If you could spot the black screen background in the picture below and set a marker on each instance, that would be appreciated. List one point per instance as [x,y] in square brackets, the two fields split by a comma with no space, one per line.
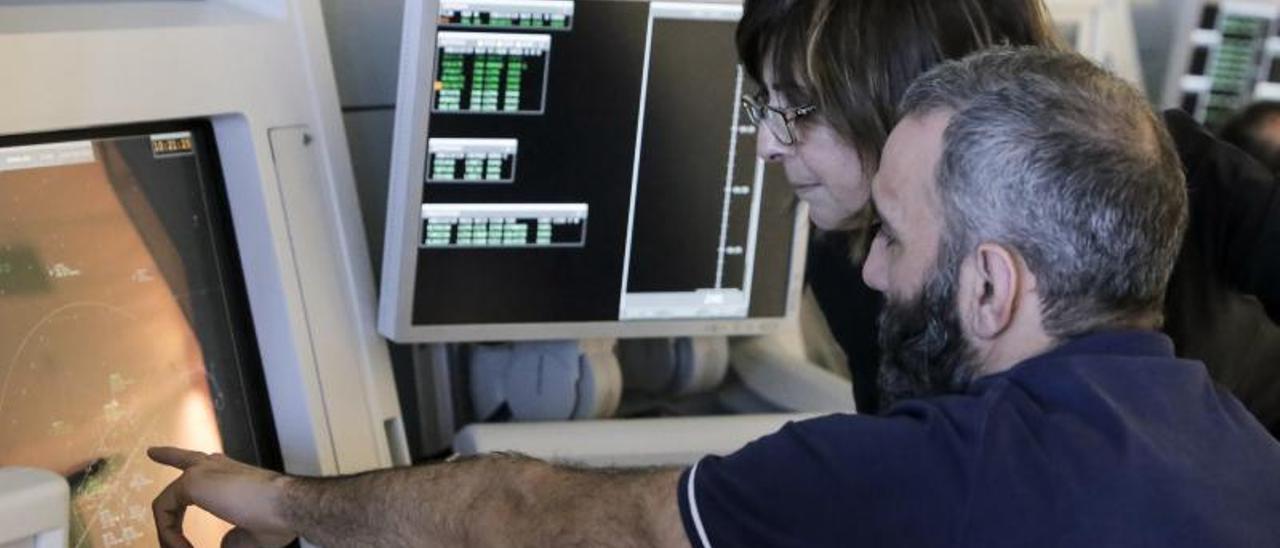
[188,198]
[582,149]
[689,113]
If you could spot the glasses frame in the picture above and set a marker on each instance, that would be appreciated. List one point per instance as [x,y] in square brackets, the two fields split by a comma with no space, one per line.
[759,110]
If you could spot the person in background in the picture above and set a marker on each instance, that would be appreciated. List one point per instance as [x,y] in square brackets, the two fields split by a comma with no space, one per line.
[830,74]
[1256,130]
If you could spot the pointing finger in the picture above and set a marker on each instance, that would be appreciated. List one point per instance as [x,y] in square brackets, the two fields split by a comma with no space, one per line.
[175,457]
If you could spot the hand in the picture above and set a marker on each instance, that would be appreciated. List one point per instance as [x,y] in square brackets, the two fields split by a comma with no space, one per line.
[245,496]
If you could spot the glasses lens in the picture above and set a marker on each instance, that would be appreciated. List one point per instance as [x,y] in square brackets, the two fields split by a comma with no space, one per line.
[778,126]
[755,111]
[761,115]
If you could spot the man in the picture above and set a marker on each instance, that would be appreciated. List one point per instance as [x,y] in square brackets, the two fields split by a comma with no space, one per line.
[848,63]
[1033,207]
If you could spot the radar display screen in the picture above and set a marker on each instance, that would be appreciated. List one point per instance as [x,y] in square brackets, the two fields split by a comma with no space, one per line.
[123,321]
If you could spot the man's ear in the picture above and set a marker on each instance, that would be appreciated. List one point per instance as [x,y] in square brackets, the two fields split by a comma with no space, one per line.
[994,290]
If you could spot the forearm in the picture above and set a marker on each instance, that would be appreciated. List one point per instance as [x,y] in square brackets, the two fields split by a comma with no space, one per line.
[489,501]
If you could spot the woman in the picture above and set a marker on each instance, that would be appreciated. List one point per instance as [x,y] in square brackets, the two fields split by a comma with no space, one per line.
[830,74]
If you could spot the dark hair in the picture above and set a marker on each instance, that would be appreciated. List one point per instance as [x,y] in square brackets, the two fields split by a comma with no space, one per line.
[1065,163]
[855,58]
[1244,130]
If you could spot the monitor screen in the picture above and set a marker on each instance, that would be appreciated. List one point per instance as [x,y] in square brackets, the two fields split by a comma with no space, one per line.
[586,169]
[123,321]
[1225,58]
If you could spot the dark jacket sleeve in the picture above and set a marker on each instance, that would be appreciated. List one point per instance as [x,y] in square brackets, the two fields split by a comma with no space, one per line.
[1240,200]
[851,309]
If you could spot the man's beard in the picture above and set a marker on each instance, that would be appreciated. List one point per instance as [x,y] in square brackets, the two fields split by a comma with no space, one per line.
[923,351]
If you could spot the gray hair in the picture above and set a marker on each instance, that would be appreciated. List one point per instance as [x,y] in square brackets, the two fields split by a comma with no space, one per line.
[1066,164]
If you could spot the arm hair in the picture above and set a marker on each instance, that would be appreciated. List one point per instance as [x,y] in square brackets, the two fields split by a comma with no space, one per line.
[494,500]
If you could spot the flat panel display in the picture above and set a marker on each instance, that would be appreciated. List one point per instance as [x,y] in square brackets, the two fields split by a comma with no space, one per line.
[123,321]
[586,168]
[1226,56]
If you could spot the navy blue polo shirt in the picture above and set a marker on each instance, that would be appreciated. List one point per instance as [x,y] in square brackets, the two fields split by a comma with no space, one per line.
[1107,440]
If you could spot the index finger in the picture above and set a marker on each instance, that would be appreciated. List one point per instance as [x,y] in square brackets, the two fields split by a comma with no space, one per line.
[175,457]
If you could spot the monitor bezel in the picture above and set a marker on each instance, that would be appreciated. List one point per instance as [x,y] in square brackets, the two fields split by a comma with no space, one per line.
[261,447]
[400,250]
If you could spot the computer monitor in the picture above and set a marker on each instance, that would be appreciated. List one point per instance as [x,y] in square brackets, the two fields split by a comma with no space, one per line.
[1226,56]
[123,311]
[569,169]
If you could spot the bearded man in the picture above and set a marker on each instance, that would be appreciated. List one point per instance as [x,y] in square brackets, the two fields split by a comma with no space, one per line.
[1032,207]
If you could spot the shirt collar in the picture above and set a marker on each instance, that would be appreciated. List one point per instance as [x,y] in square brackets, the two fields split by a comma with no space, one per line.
[1115,342]
[1111,343]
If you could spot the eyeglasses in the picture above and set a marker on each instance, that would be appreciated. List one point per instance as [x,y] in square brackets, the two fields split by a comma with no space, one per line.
[780,121]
